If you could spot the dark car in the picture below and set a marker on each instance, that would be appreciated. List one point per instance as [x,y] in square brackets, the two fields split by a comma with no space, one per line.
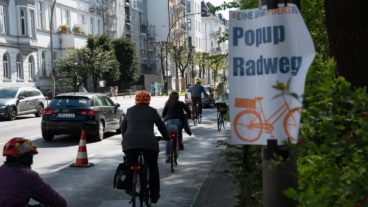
[16,101]
[206,101]
[69,113]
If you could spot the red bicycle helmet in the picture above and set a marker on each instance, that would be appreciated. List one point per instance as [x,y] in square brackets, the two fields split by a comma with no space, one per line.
[142,97]
[19,146]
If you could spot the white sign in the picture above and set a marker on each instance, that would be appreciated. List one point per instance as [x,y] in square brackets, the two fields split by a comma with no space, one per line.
[267,47]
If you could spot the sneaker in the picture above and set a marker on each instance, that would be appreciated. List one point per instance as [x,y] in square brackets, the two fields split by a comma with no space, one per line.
[181,146]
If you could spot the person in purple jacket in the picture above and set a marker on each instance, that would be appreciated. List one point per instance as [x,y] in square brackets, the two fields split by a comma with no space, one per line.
[19,183]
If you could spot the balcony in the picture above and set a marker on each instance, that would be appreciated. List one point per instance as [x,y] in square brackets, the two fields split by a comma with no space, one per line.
[70,40]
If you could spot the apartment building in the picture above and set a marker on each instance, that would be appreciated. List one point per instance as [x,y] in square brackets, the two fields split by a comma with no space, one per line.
[25,37]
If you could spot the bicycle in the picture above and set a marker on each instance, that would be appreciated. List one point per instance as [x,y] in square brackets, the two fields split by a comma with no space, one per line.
[140,184]
[196,116]
[221,111]
[249,124]
[173,148]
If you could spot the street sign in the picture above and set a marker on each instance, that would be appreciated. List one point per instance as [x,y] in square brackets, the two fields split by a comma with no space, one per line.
[267,47]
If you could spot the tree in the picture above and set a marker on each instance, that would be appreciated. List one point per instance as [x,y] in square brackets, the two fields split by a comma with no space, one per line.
[101,60]
[182,56]
[72,68]
[203,62]
[127,56]
[160,52]
[218,62]
[347,28]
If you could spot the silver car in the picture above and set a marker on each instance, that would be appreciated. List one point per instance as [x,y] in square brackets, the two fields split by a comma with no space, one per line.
[16,101]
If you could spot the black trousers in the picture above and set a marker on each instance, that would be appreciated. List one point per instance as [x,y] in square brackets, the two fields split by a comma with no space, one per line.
[198,100]
[151,158]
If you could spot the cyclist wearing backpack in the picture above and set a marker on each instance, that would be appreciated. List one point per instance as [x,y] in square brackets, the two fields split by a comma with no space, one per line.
[173,114]
[18,182]
[138,136]
[196,91]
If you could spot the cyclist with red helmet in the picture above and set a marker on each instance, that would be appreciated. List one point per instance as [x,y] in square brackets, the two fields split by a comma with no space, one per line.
[138,136]
[18,182]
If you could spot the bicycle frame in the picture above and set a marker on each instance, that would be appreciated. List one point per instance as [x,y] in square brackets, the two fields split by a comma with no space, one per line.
[267,124]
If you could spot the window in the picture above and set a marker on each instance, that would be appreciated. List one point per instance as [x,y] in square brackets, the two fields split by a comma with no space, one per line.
[188,7]
[81,19]
[19,65]
[33,24]
[41,13]
[43,64]
[189,24]
[2,20]
[6,66]
[65,16]
[92,28]
[23,22]
[31,68]
[99,26]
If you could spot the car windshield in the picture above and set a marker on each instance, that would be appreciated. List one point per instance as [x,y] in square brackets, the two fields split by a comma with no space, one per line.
[8,93]
[67,101]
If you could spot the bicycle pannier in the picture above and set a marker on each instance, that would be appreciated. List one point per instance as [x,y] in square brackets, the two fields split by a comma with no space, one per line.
[123,177]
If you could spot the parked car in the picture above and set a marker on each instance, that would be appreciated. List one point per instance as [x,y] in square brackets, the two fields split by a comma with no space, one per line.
[15,101]
[206,101]
[68,113]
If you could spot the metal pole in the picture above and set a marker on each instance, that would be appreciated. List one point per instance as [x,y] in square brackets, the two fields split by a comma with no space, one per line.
[51,50]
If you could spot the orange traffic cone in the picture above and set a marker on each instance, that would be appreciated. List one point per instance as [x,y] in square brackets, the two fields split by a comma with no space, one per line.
[82,159]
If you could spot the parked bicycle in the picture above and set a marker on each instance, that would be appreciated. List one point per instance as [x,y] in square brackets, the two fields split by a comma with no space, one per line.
[221,112]
[173,147]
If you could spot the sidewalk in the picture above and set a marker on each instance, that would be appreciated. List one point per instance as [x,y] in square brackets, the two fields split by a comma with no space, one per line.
[217,190]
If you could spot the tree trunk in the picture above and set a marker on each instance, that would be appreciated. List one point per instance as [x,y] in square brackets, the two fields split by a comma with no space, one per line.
[347,28]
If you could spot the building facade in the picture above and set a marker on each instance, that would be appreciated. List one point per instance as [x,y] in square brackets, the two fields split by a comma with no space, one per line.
[25,48]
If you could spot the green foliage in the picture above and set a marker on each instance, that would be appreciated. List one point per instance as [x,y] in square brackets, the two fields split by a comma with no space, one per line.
[127,56]
[246,172]
[217,63]
[333,152]
[72,68]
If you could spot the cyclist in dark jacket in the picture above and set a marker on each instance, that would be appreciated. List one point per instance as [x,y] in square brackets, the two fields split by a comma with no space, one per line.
[173,114]
[196,92]
[18,182]
[138,136]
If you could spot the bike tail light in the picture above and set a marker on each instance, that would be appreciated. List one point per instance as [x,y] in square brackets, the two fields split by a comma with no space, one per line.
[135,167]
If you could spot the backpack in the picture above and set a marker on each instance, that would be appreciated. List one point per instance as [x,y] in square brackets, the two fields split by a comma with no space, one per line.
[123,178]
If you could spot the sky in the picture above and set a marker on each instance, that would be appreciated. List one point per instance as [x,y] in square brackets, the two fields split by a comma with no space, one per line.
[218,3]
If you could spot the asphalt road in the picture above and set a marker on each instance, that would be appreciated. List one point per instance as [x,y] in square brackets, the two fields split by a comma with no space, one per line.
[93,186]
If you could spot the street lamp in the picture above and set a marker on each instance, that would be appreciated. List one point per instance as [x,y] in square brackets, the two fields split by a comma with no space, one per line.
[51,50]
[167,41]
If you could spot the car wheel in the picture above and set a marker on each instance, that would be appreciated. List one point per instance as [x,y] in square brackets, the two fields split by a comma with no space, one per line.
[39,110]
[100,132]
[47,136]
[12,113]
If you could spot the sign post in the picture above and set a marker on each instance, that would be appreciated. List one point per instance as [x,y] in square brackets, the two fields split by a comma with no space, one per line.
[267,48]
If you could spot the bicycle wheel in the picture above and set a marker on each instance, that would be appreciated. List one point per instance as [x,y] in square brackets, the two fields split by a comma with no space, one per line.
[248,126]
[223,121]
[194,117]
[219,121]
[176,152]
[171,155]
[136,188]
[291,124]
[199,118]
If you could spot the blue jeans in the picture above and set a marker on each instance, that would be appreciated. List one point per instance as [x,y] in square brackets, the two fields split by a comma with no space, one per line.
[179,124]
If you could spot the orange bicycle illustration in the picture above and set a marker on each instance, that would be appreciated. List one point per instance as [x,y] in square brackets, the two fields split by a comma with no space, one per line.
[250,123]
